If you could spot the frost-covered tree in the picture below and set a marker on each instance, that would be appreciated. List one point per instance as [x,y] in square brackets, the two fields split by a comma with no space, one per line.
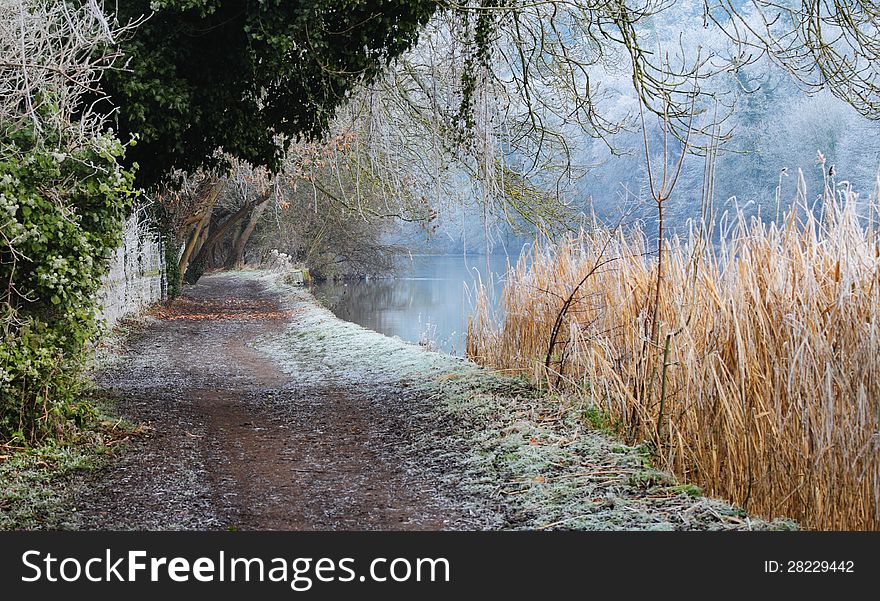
[548,94]
[53,56]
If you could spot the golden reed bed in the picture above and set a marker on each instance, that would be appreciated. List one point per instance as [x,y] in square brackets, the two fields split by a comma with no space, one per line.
[759,379]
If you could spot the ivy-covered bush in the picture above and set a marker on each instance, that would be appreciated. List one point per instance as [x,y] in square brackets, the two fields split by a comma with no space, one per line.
[62,209]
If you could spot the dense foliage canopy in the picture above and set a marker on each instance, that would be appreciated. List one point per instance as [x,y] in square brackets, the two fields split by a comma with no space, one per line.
[246,76]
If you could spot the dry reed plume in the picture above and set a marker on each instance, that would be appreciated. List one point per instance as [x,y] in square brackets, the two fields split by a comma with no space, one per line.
[759,381]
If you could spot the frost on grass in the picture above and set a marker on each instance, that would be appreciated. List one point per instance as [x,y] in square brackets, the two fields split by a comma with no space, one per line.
[525,459]
[318,347]
[36,484]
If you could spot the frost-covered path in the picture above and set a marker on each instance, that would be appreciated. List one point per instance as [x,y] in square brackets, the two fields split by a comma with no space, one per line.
[265,411]
[234,442]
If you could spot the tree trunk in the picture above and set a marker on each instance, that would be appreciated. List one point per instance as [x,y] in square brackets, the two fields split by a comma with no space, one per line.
[197,265]
[200,243]
[194,237]
[236,255]
[213,192]
[209,247]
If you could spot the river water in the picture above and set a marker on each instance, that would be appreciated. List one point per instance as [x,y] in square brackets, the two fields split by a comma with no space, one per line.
[429,298]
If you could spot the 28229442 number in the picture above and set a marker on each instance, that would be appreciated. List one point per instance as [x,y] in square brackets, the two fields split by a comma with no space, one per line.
[806,567]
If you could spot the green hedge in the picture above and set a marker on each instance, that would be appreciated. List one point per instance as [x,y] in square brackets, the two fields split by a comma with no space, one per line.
[61,216]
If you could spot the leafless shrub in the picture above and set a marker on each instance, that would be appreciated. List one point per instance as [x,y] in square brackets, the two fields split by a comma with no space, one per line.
[53,54]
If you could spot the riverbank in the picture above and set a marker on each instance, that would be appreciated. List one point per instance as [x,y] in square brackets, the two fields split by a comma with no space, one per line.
[259,409]
[518,455]
[426,300]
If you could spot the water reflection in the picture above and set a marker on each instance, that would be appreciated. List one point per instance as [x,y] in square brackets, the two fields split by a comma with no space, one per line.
[429,299]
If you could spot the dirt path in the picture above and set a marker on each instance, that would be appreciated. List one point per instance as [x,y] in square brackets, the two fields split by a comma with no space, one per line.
[235,443]
[265,411]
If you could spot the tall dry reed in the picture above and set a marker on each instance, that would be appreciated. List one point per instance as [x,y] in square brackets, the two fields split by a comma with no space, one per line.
[761,380]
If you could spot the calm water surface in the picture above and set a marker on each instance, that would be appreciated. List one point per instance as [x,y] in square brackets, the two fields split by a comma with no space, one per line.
[430,298]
